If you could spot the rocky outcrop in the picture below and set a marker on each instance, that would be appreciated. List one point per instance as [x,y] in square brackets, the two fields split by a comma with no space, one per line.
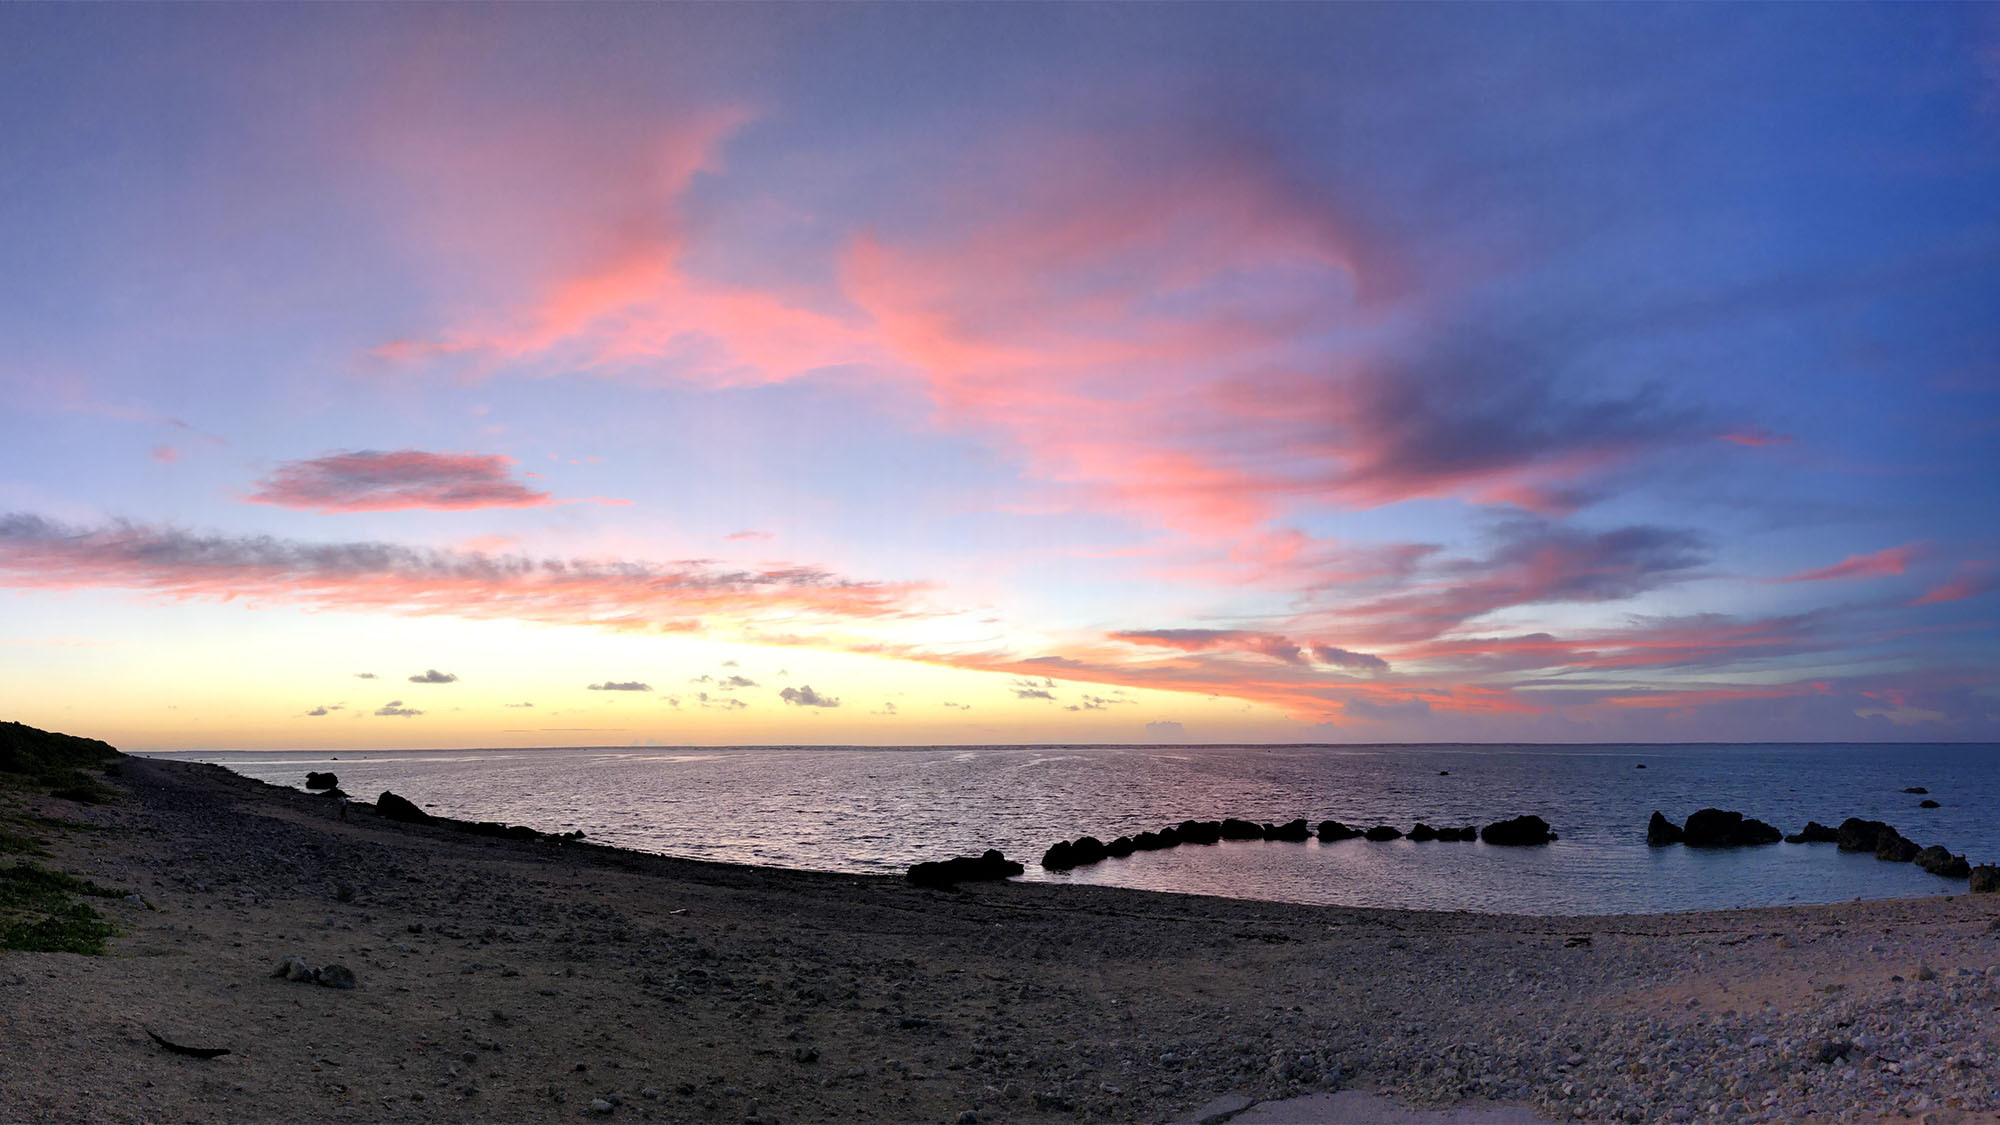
[1720,828]
[1382,832]
[1332,831]
[392,807]
[1927,803]
[1661,832]
[1917,789]
[1423,833]
[1466,835]
[1119,848]
[1858,835]
[1081,852]
[1814,833]
[964,869]
[1200,831]
[1521,831]
[1892,847]
[1234,829]
[1985,879]
[1938,860]
[1290,832]
[315,780]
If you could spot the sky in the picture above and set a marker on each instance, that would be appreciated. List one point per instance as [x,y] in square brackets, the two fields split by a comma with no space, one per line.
[457,375]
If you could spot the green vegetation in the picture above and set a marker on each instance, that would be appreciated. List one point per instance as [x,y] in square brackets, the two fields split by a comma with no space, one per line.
[56,762]
[37,914]
[13,843]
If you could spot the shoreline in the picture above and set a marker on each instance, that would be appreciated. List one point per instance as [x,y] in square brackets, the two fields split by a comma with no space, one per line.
[489,969]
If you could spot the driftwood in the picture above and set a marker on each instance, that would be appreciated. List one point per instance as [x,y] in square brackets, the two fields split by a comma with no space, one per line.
[191,1052]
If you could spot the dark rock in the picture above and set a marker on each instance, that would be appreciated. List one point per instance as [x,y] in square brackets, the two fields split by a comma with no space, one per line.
[1147,842]
[1928,804]
[1660,831]
[1170,837]
[1754,833]
[1234,829]
[1917,789]
[1059,857]
[1332,831]
[1985,879]
[1938,860]
[1814,833]
[1088,849]
[321,780]
[1522,831]
[1892,847]
[1423,833]
[1858,835]
[1383,832]
[1290,832]
[1640,766]
[1200,831]
[334,976]
[293,968]
[1711,828]
[966,869]
[1444,773]
[392,807]
[1463,835]
[1119,848]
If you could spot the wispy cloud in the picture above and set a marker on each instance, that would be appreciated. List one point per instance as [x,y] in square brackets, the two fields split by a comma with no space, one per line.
[395,709]
[433,676]
[621,685]
[382,577]
[371,481]
[1878,564]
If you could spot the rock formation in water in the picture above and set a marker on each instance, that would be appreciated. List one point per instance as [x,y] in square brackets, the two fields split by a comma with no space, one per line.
[1521,831]
[964,869]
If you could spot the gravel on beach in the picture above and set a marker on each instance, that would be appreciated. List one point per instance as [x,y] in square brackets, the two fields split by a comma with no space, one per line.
[500,980]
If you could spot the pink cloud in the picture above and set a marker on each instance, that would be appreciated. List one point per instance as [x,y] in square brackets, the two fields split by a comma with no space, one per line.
[370,481]
[1755,437]
[1879,564]
[165,454]
[379,577]
[1971,580]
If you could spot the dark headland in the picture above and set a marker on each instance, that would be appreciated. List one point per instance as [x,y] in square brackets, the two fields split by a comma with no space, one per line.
[452,975]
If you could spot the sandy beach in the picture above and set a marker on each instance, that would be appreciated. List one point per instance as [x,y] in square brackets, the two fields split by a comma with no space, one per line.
[503,980]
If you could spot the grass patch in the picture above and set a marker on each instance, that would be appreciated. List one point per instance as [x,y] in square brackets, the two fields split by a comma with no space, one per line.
[13,843]
[38,914]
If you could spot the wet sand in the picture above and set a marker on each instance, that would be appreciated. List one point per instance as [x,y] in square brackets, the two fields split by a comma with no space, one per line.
[526,981]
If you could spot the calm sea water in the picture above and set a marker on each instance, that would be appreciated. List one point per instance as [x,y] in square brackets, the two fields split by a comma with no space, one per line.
[879,810]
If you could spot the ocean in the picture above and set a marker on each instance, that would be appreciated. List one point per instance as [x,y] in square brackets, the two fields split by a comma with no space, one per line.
[876,810]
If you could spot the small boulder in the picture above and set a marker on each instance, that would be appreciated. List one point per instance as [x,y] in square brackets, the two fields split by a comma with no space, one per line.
[392,807]
[1170,837]
[1892,847]
[321,780]
[1917,789]
[1938,860]
[1661,832]
[1119,848]
[1059,857]
[1985,879]
[1814,833]
[1234,829]
[1464,835]
[1382,832]
[1146,842]
[293,968]
[1521,831]
[334,976]
[1858,835]
[1927,803]
[1290,832]
[1332,831]
[1423,833]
